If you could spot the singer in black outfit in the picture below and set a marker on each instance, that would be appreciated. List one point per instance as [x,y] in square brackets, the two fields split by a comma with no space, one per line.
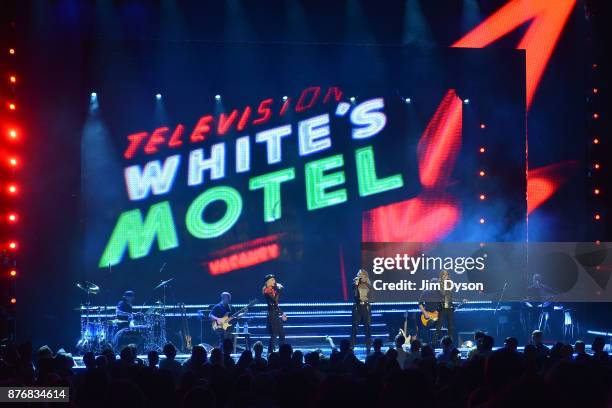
[276,317]
[362,295]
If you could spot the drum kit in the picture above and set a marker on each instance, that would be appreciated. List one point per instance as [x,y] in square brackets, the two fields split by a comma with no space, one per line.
[100,330]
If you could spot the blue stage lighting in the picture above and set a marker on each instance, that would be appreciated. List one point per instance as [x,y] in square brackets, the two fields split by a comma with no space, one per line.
[158,96]
[218,97]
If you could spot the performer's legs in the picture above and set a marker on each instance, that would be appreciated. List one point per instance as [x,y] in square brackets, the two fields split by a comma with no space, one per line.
[367,322]
[450,323]
[275,331]
[355,324]
[227,334]
[281,331]
[272,339]
[220,337]
[434,341]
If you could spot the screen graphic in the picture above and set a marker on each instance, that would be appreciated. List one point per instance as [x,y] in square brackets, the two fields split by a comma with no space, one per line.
[240,169]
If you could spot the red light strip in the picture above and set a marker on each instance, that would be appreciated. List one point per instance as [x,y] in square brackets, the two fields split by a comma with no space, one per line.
[9,186]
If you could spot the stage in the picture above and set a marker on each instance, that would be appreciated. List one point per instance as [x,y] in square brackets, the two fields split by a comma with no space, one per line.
[311,325]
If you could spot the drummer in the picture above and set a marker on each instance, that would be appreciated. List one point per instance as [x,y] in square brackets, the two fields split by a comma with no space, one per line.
[124,308]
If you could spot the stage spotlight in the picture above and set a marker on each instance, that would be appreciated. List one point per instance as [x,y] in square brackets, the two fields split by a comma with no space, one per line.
[12,245]
[13,79]
[12,133]
[595,90]
[596,141]
[597,217]
[13,300]
[482,220]
[482,196]
[12,161]
[158,96]
[466,101]
[482,126]
[12,217]
[285,98]
[482,173]
[12,106]
[352,99]
[482,150]
[218,97]
[596,116]
[93,102]
[596,166]
[12,189]
[407,100]
[13,273]
[596,191]
[12,51]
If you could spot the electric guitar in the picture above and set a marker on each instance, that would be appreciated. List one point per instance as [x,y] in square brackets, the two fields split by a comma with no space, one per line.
[224,322]
[404,331]
[186,337]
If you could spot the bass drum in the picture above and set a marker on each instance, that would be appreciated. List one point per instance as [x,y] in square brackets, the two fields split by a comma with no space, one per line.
[129,336]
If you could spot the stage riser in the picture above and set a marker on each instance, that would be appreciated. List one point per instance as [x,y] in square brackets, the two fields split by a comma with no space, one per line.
[308,325]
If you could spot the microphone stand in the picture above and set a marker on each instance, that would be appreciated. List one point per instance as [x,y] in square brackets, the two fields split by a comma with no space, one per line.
[416,324]
[497,306]
[500,297]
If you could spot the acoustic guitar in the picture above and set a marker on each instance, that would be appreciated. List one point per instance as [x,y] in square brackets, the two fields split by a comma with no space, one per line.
[427,316]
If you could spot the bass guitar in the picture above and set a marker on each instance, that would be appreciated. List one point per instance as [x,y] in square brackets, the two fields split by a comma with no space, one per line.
[224,322]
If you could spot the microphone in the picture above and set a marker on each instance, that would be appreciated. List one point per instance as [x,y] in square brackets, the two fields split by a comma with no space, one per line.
[279,286]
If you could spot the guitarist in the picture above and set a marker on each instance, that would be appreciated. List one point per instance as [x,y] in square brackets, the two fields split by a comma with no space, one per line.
[218,313]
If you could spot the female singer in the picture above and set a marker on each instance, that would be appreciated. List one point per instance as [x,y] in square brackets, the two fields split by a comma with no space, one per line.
[276,317]
[362,294]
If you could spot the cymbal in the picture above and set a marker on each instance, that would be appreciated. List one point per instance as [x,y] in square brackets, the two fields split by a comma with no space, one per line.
[163,283]
[88,287]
